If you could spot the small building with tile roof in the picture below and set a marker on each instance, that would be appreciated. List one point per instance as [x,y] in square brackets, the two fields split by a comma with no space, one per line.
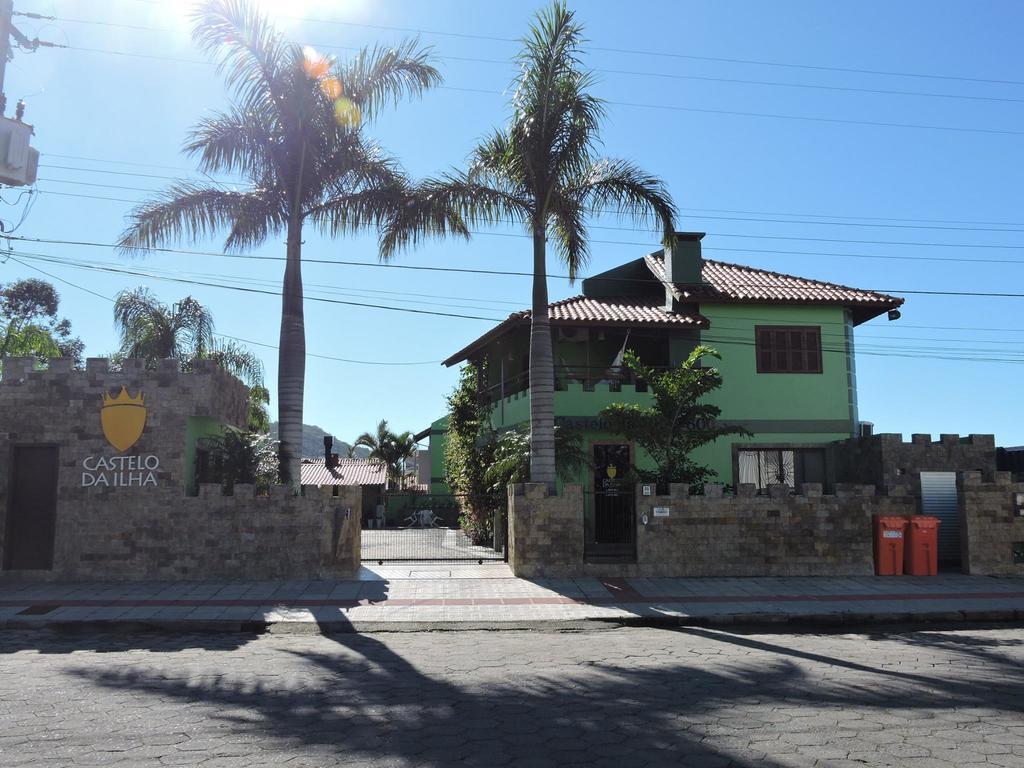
[334,472]
[786,346]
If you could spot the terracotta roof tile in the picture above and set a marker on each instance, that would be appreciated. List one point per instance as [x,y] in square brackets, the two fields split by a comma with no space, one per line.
[584,309]
[621,310]
[348,472]
[735,282]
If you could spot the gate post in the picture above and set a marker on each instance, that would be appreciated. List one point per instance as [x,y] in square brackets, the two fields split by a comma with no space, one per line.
[545,532]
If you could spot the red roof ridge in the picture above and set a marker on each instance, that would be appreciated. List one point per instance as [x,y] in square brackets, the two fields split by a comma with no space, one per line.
[658,257]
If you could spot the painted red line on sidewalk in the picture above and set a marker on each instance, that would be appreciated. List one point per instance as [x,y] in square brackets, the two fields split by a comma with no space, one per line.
[629,597]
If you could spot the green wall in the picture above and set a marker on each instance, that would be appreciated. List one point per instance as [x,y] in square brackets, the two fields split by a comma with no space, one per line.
[437,439]
[196,428]
[777,408]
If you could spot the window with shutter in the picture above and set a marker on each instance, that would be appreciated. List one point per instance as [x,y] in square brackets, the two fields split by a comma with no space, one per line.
[788,349]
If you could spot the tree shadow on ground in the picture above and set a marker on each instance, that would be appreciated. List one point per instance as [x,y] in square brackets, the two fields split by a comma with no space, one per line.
[360,700]
[76,637]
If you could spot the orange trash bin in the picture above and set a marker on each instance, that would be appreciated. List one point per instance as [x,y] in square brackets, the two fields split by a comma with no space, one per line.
[922,558]
[889,534]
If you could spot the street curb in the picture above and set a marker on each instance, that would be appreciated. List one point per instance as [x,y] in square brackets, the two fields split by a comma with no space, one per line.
[765,620]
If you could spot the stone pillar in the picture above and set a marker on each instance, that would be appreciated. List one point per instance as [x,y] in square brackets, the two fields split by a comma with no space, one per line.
[545,532]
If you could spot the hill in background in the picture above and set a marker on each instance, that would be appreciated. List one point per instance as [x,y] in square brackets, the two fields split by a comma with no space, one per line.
[313,442]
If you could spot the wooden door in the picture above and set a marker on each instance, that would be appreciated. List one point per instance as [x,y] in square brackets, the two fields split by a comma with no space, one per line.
[32,509]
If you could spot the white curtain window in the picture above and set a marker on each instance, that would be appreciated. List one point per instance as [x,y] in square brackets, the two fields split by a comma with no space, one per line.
[749,467]
[764,468]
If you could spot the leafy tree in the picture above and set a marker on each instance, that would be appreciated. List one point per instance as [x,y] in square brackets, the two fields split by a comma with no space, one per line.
[510,462]
[243,457]
[541,171]
[389,448]
[30,326]
[153,331]
[468,452]
[677,422]
[294,133]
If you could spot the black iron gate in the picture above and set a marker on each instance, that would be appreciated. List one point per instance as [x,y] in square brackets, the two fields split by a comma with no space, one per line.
[436,528]
[610,526]
[609,511]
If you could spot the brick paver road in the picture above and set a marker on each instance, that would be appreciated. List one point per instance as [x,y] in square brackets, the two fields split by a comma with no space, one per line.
[622,698]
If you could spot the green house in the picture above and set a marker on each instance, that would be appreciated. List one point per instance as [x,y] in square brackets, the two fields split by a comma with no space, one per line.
[787,364]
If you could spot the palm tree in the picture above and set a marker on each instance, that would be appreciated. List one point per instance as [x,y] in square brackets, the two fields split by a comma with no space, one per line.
[389,448]
[380,445]
[541,171]
[404,448]
[294,133]
[153,331]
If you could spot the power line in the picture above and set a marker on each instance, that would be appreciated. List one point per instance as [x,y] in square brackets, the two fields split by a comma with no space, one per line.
[601,212]
[909,353]
[225,336]
[416,267]
[639,105]
[705,210]
[896,257]
[630,73]
[642,52]
[121,270]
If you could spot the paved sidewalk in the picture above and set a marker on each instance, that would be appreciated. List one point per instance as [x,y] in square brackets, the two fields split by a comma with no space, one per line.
[430,596]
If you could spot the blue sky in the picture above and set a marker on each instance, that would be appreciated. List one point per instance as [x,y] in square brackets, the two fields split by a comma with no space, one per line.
[107,115]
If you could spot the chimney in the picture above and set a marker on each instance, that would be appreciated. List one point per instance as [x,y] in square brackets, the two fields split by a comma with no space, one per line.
[683,265]
[330,459]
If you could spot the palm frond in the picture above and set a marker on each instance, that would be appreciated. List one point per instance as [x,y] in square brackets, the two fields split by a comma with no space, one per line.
[193,321]
[478,203]
[567,223]
[239,361]
[419,214]
[379,76]
[250,53]
[633,192]
[145,325]
[191,212]
[235,141]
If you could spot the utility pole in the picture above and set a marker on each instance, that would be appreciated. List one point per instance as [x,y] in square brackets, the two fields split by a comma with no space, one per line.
[8,31]
[6,25]
[19,161]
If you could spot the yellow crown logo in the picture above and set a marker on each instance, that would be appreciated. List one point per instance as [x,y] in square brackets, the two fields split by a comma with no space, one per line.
[123,419]
[123,398]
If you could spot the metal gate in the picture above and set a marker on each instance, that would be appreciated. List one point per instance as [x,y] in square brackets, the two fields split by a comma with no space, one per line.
[609,526]
[417,527]
[939,499]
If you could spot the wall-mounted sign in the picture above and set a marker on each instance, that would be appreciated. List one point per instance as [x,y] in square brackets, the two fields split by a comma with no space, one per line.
[662,511]
[120,471]
[1018,502]
[647,490]
[123,419]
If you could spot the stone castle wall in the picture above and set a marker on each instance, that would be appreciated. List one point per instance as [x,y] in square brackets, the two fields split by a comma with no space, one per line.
[780,534]
[886,461]
[124,529]
[165,535]
[992,524]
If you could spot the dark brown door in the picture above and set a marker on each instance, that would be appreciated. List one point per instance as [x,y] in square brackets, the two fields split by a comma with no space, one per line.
[32,509]
[613,497]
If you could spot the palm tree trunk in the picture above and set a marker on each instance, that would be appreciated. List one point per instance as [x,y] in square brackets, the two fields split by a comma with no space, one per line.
[291,365]
[542,371]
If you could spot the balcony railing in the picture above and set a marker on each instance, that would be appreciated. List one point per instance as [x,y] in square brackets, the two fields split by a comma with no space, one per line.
[588,377]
